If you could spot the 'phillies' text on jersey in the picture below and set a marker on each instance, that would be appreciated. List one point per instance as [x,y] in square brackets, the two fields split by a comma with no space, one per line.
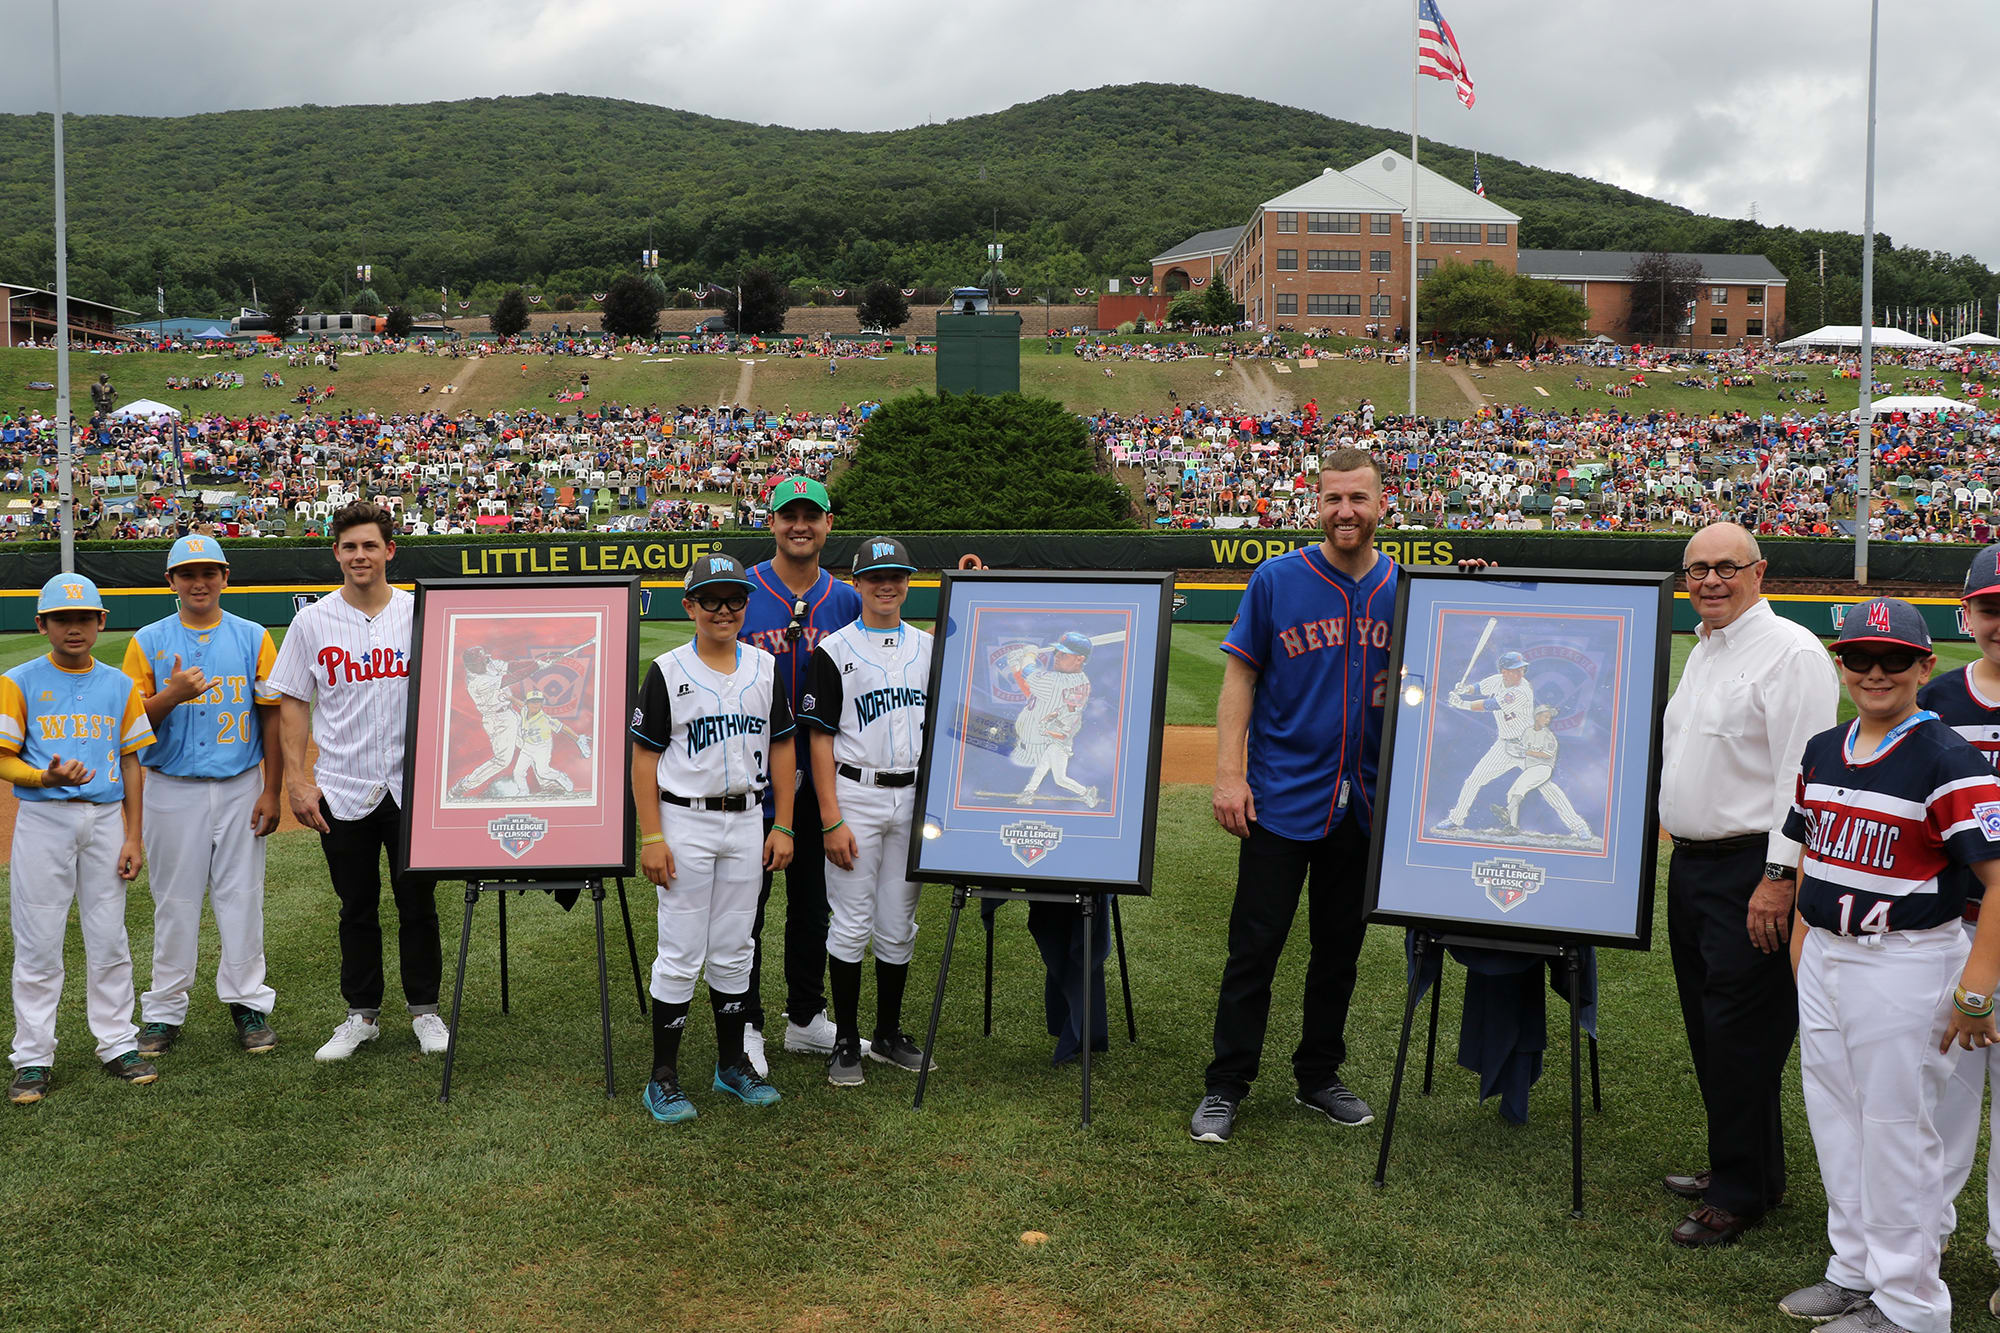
[375,664]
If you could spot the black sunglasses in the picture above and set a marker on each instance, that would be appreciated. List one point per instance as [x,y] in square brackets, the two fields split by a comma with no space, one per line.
[735,601]
[1894,664]
[797,627]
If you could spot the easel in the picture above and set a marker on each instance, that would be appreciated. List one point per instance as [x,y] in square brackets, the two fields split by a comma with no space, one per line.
[1570,957]
[595,888]
[1086,903]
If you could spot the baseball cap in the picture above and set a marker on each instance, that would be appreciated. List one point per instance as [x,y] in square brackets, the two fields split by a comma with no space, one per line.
[1889,621]
[1512,662]
[1984,576]
[69,592]
[800,488]
[1074,642]
[196,549]
[715,571]
[882,553]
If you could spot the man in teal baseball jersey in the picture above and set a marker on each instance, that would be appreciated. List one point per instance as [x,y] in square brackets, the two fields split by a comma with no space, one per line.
[212,795]
[71,730]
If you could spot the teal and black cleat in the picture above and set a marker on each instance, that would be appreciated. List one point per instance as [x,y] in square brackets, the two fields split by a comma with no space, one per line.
[666,1103]
[741,1082]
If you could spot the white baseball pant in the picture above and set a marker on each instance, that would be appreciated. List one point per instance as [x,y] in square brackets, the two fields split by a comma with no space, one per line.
[1872,1010]
[707,908]
[67,852]
[1958,1125]
[198,841]
[874,900]
[503,731]
[1538,779]
[1491,765]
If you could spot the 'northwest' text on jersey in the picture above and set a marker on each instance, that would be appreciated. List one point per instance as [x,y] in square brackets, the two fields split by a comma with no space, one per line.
[1319,642]
[884,674]
[95,715]
[221,733]
[1880,832]
[712,729]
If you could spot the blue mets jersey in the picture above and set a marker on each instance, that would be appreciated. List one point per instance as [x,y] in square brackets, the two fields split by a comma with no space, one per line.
[1881,831]
[221,733]
[1319,642]
[1959,705]
[48,713]
[830,604]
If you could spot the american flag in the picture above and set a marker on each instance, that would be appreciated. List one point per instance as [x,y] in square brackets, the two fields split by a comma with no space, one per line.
[1478,185]
[1437,50]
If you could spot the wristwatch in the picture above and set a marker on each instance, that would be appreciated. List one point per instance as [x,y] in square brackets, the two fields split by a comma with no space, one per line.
[1776,871]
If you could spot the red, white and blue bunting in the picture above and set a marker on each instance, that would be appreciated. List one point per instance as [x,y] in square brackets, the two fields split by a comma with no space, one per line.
[1197,281]
[1080,291]
[1013,291]
[1140,282]
[465,305]
[839,292]
[907,291]
[599,296]
[534,300]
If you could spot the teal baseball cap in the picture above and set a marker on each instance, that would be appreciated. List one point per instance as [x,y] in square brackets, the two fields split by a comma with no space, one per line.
[69,592]
[800,488]
[196,549]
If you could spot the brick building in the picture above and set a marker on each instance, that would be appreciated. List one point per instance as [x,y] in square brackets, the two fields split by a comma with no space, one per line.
[1742,297]
[28,314]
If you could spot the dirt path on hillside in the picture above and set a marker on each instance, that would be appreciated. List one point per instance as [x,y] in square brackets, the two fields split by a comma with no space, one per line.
[744,378]
[1258,390]
[1465,385]
[464,377]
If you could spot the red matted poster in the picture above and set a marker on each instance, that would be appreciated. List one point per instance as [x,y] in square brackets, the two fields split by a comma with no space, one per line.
[518,697]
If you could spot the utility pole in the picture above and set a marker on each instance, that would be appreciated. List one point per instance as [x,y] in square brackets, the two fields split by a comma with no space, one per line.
[1822,286]
[65,499]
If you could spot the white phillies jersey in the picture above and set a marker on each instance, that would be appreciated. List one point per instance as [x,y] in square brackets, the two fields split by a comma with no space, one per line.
[713,732]
[868,687]
[355,672]
[1513,706]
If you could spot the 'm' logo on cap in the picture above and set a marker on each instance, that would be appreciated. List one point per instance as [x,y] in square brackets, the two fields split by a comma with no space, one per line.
[1878,617]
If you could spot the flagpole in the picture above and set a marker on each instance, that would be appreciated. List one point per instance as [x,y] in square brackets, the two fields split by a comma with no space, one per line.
[1865,448]
[65,499]
[1416,78]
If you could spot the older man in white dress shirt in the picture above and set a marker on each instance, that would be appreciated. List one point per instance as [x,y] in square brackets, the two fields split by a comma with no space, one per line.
[1755,688]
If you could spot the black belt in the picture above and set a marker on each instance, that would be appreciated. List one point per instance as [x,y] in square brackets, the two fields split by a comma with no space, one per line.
[739,802]
[1721,846]
[904,777]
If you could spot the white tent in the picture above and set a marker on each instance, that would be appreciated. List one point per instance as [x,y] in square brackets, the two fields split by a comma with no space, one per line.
[1974,340]
[213,331]
[1849,335]
[1920,405]
[144,409]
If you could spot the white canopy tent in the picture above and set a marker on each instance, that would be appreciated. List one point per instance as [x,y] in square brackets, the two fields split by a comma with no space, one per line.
[1920,405]
[144,409]
[1849,335]
[1974,340]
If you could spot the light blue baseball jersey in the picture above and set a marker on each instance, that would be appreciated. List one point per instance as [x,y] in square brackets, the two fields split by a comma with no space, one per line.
[97,715]
[220,734]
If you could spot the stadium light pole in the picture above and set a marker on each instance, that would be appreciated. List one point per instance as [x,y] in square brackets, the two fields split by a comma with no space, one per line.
[65,499]
[1865,447]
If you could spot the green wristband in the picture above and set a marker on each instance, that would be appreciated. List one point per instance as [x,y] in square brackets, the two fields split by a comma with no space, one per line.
[834,825]
[780,828]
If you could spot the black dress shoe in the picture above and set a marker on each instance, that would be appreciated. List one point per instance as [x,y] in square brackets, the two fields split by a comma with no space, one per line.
[1708,1226]
[1691,1185]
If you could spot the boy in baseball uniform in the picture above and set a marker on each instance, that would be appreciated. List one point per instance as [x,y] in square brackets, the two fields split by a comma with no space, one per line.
[1538,766]
[536,771]
[865,704]
[711,733]
[71,730]
[211,795]
[1510,698]
[1888,982]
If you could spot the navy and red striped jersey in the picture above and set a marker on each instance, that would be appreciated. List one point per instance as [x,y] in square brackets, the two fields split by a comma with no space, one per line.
[1956,699]
[1881,833]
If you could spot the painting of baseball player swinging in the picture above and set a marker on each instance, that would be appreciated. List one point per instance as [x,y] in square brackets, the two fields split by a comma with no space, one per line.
[1520,755]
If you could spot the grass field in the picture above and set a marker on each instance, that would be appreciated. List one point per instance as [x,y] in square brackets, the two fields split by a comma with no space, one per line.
[274,1193]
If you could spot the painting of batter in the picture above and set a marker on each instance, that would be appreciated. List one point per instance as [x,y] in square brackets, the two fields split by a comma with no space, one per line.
[525,705]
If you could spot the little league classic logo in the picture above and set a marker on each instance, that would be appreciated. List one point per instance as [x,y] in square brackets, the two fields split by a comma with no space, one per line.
[1029,839]
[999,672]
[1507,881]
[517,833]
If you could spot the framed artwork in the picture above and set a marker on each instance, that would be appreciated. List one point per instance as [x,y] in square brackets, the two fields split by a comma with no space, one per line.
[1043,726]
[1521,755]
[516,764]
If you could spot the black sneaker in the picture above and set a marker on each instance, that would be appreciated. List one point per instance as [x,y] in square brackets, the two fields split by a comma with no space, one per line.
[131,1067]
[843,1067]
[1337,1104]
[899,1049]
[30,1085]
[158,1038]
[1213,1119]
[253,1031]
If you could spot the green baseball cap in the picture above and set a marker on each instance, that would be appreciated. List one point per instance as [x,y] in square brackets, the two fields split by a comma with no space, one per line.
[800,488]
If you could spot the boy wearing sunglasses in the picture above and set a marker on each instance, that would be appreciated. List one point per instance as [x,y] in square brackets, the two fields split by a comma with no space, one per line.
[1887,806]
[711,734]
[1968,701]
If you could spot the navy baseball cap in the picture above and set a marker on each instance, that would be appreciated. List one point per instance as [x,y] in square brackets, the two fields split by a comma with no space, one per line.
[1984,576]
[1513,662]
[1888,621]
[883,553]
[715,571]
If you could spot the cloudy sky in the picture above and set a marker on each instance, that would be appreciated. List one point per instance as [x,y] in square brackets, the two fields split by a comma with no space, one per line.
[1721,105]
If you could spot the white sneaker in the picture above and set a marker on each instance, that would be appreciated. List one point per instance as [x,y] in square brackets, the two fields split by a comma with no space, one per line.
[432,1035]
[815,1038]
[753,1047]
[347,1038]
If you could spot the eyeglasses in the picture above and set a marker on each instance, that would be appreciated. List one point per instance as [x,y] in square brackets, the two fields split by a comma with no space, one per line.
[732,602]
[1894,664]
[1722,569]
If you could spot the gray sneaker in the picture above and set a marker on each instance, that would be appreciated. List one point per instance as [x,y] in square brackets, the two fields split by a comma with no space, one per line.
[1823,1300]
[1213,1119]
[1864,1318]
[843,1067]
[1337,1103]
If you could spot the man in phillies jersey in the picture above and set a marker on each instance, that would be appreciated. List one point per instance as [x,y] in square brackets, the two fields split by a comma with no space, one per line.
[344,672]
[793,605]
[1968,701]
[1299,730]
[1886,805]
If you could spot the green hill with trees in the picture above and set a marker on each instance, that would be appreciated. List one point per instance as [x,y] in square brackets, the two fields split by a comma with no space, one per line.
[561,192]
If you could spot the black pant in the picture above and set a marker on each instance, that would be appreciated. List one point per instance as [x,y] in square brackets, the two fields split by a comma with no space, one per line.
[354,850]
[1741,1009]
[805,920]
[1270,870]
[1058,932]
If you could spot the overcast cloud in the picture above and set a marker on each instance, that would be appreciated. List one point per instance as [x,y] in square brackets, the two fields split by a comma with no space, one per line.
[1714,104]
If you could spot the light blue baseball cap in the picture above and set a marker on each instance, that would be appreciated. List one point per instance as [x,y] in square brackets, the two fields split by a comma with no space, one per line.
[69,592]
[196,549]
